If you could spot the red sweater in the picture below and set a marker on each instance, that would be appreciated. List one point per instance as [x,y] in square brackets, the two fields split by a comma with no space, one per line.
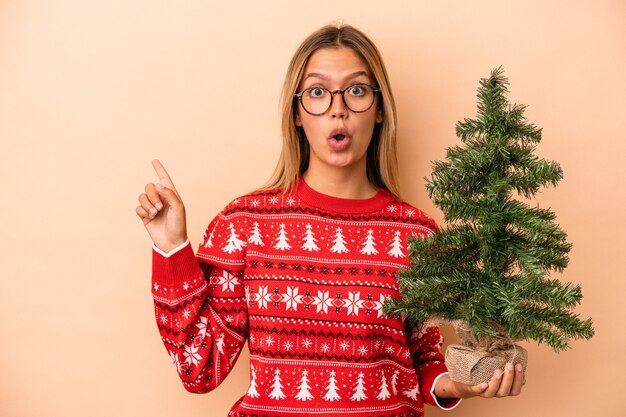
[302,277]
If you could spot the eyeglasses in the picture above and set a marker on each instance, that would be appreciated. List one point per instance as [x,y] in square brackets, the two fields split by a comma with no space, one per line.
[317,100]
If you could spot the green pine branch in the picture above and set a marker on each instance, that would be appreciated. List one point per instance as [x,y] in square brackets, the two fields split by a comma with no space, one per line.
[489,267]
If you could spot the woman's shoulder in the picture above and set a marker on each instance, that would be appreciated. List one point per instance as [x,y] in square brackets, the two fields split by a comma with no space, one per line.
[404,212]
[254,200]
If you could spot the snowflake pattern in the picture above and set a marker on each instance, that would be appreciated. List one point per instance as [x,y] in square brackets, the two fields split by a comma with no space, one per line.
[325,347]
[227,281]
[263,297]
[163,318]
[363,350]
[202,326]
[273,199]
[354,302]
[288,345]
[344,345]
[291,201]
[322,301]
[255,203]
[191,355]
[292,299]
[306,343]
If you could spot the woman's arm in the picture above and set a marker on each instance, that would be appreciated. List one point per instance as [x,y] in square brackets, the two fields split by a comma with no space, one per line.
[201,313]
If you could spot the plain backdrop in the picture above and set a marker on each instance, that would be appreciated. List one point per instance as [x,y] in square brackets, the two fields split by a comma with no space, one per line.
[92,91]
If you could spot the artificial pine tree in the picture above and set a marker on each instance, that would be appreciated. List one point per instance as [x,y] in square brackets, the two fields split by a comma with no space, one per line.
[487,272]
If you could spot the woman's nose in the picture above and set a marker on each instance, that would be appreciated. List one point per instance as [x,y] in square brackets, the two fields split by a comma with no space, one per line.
[338,106]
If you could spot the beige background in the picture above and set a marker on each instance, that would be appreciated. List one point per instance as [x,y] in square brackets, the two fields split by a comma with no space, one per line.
[91,91]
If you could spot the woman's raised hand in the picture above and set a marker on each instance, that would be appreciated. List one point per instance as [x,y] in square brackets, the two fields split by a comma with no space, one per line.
[163,212]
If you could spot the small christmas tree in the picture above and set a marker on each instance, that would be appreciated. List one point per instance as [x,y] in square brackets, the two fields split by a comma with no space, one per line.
[359,389]
[487,271]
[277,387]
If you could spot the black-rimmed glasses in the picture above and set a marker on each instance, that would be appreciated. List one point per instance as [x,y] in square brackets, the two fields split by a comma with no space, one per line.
[357,97]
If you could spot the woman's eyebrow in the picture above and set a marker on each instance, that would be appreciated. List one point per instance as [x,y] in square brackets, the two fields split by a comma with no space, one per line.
[325,77]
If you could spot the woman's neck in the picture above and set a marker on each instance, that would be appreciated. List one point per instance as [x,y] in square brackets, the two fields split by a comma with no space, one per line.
[340,183]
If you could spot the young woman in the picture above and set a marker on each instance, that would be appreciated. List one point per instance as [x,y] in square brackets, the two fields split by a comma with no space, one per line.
[301,268]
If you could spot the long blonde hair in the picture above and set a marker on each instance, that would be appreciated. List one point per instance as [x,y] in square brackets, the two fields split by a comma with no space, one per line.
[382,163]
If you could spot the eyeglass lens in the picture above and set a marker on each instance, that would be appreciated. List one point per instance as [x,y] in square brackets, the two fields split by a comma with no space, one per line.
[358,98]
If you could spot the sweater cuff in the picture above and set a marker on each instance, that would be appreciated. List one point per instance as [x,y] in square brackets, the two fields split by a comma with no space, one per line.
[175,267]
[173,251]
[443,403]
[430,375]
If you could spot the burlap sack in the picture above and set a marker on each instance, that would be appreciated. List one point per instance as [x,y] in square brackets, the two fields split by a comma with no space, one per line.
[475,360]
[473,367]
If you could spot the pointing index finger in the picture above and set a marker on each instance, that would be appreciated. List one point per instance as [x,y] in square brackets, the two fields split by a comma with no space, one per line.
[164,177]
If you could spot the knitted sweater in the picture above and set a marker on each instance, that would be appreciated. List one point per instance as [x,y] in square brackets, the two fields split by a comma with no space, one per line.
[303,277]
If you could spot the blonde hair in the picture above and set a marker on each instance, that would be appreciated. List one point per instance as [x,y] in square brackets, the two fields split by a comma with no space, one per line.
[382,163]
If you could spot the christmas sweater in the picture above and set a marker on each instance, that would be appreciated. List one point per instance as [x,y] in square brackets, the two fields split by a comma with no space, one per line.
[302,277]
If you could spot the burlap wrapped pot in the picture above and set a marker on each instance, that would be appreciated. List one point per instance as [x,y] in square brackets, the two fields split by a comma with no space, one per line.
[475,360]
[470,366]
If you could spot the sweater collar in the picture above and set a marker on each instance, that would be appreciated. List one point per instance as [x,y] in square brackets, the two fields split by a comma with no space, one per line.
[341,205]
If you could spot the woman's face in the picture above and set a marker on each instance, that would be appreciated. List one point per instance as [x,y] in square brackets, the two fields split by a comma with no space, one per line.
[338,138]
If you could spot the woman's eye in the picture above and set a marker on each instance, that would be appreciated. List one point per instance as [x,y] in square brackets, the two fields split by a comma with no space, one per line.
[317,92]
[356,90]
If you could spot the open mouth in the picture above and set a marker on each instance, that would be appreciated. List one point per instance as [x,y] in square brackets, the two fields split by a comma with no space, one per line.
[339,137]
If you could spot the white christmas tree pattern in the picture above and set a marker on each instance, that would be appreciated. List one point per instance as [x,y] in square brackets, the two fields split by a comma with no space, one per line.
[412,393]
[396,246]
[309,240]
[209,241]
[359,389]
[219,343]
[255,235]
[331,388]
[383,394]
[234,243]
[281,240]
[339,242]
[369,246]
[277,388]
[394,382]
[252,391]
[304,394]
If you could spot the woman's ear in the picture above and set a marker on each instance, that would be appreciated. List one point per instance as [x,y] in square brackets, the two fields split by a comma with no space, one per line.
[379,115]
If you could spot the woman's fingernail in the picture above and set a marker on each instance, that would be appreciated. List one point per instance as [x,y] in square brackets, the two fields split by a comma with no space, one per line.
[518,367]
[498,373]
[508,367]
[159,206]
[153,211]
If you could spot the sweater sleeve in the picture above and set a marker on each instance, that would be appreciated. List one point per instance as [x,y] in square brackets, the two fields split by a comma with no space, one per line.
[200,306]
[424,343]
